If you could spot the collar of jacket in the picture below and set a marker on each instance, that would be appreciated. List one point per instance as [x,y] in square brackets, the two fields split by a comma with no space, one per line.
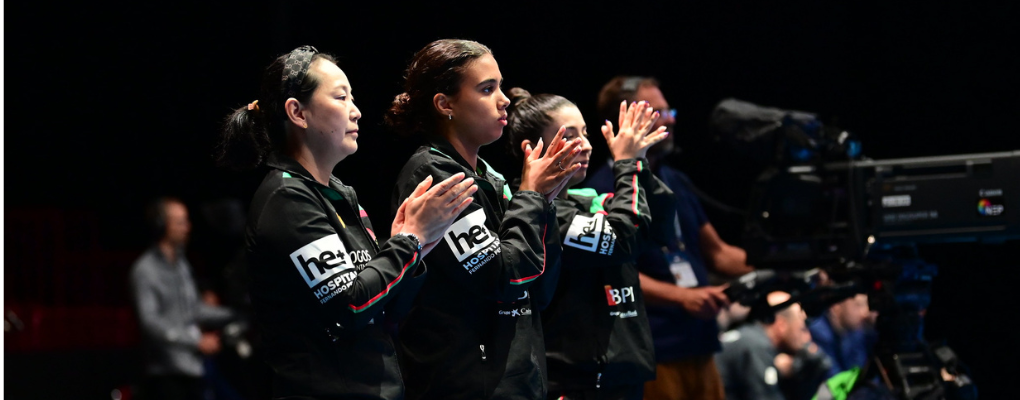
[439,144]
[293,169]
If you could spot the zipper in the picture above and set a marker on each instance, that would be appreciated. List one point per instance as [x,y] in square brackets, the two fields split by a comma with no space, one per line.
[357,215]
[602,361]
[490,189]
[482,347]
[351,202]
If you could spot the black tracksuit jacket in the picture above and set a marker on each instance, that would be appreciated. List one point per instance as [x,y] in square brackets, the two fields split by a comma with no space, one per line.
[596,330]
[320,284]
[474,330]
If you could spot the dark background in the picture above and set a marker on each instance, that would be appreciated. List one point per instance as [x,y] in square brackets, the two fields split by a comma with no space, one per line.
[108,105]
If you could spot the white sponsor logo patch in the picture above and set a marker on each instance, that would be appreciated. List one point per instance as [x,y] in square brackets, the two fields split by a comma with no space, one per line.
[321,259]
[619,296]
[593,234]
[326,291]
[468,235]
[360,256]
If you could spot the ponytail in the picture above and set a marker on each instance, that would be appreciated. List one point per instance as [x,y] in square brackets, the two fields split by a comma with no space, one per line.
[244,143]
[403,118]
[251,133]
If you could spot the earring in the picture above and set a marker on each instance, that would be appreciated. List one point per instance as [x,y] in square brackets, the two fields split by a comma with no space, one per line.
[451,116]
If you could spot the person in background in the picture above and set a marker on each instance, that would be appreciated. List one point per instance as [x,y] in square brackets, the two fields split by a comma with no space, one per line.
[802,371]
[842,332]
[170,313]
[748,360]
[682,306]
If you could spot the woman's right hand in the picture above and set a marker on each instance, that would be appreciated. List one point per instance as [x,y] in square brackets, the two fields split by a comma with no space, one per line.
[634,138]
[428,213]
[548,173]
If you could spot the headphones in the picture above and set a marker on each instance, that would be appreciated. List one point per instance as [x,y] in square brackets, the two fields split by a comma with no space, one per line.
[631,83]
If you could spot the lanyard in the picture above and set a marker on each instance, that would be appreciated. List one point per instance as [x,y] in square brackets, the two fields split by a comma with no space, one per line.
[679,233]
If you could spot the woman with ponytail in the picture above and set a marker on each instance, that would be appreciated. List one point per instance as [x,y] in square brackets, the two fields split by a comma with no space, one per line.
[474,331]
[597,338]
[321,283]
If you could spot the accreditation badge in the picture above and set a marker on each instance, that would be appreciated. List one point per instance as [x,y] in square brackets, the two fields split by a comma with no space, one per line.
[681,269]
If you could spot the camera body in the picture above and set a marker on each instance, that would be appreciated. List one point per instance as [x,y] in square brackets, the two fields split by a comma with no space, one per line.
[820,209]
[806,216]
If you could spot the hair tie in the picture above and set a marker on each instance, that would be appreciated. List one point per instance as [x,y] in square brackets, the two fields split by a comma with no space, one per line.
[295,68]
[253,105]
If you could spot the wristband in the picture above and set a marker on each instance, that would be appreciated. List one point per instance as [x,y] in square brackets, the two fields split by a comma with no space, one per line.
[413,237]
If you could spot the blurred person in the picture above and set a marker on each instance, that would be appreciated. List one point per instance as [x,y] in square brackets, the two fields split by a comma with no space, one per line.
[597,339]
[682,305]
[220,382]
[845,333]
[748,360]
[321,284]
[169,310]
[475,331]
[732,317]
[243,373]
[802,371]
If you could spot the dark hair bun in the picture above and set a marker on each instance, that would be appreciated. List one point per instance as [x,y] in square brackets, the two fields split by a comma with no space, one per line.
[518,95]
[437,68]
[399,116]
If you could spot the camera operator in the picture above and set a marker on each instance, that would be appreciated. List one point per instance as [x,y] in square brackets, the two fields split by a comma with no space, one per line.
[757,355]
[682,307]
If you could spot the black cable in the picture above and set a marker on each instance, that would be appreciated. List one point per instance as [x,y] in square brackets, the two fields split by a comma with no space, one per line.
[705,198]
[855,229]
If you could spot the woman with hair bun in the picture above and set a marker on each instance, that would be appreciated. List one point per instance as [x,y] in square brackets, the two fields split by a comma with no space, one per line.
[320,280]
[597,338]
[474,331]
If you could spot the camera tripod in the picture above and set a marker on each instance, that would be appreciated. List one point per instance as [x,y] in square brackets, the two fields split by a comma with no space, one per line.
[904,365]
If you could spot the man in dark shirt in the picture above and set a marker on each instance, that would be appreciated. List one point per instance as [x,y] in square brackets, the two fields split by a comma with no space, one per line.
[681,304]
[169,310]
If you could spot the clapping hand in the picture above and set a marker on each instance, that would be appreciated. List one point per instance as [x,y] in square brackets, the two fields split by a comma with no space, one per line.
[428,213]
[635,135]
[549,173]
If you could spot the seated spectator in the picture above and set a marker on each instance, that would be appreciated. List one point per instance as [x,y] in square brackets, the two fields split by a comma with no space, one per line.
[748,360]
[801,372]
[844,334]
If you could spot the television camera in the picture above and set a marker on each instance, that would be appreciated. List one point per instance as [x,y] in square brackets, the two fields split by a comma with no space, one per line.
[825,223]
